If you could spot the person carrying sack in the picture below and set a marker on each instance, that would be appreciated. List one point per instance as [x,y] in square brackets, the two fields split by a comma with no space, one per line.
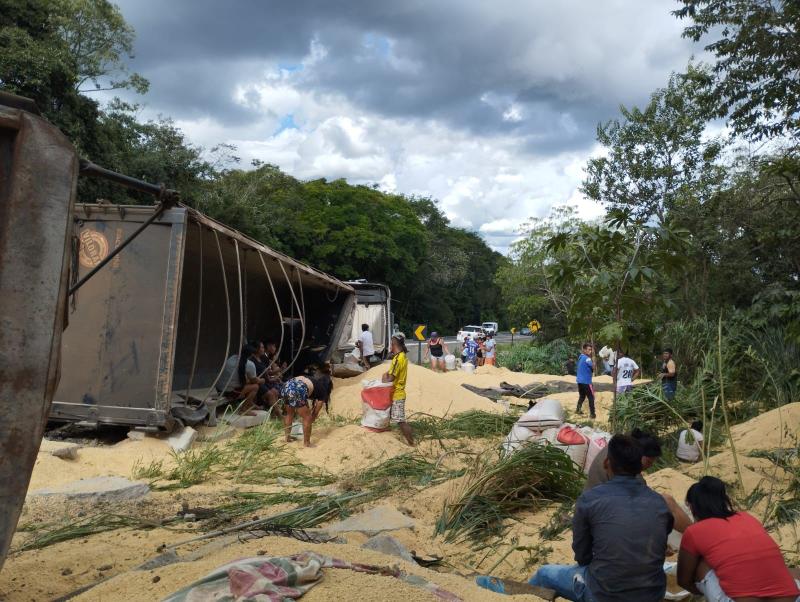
[398,374]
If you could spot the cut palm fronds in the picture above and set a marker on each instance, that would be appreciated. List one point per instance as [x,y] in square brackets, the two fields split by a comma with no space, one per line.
[645,408]
[406,470]
[498,487]
[473,424]
[97,523]
[303,517]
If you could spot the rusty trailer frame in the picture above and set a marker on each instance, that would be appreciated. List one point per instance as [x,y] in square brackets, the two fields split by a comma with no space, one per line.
[153,328]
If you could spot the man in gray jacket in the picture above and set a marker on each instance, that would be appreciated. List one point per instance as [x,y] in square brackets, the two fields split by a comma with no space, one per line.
[619,537]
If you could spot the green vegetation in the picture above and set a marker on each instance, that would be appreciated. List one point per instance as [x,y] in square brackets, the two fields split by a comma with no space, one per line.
[536,358]
[400,472]
[496,487]
[256,457]
[473,424]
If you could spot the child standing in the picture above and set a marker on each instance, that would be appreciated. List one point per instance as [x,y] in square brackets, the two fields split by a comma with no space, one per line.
[398,374]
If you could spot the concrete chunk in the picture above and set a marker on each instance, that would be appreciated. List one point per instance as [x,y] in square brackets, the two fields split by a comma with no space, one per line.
[374,521]
[60,449]
[247,421]
[386,544]
[136,435]
[97,489]
[183,439]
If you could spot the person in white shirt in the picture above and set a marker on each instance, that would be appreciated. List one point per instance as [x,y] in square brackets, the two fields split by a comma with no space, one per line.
[690,443]
[609,357]
[366,345]
[625,371]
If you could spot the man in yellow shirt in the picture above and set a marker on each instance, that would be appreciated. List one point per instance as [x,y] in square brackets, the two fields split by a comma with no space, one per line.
[398,374]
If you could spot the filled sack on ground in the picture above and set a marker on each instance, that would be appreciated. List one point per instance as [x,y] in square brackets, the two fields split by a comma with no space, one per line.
[376,406]
[598,440]
[518,435]
[569,439]
[545,414]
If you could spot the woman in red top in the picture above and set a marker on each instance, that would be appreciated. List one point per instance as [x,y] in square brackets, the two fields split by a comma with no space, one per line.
[727,555]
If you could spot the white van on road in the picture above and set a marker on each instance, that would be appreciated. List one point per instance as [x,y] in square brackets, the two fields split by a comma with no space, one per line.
[471,331]
[490,327]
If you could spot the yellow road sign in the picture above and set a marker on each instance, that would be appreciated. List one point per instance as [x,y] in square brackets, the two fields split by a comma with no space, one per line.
[419,332]
[513,331]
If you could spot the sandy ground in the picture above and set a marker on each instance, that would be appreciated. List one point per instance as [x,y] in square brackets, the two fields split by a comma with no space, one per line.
[343,449]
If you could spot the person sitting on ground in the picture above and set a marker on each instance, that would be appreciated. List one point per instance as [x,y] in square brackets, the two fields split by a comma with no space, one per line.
[366,346]
[651,452]
[436,350]
[570,367]
[239,378]
[398,375]
[625,372]
[297,393]
[267,369]
[727,556]
[690,443]
[490,350]
[619,537]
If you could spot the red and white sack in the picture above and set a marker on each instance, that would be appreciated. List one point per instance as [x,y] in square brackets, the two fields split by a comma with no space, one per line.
[597,443]
[376,404]
[375,420]
[568,439]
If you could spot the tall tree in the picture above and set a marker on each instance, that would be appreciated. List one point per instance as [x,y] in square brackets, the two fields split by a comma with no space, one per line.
[99,41]
[757,48]
[525,281]
[657,158]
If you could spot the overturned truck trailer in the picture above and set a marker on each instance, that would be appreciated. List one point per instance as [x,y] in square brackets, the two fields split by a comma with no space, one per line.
[155,326]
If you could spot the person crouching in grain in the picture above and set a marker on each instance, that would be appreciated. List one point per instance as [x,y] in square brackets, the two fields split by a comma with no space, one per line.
[297,393]
[398,374]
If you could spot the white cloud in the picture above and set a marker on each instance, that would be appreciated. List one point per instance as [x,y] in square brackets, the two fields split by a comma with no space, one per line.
[489,108]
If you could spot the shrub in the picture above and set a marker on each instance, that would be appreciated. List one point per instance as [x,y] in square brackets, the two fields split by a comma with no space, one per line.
[537,358]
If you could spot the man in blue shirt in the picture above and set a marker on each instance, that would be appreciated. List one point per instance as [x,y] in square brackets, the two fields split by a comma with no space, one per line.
[584,379]
[470,352]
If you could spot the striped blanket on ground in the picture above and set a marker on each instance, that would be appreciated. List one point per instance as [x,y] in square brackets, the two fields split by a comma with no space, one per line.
[282,579]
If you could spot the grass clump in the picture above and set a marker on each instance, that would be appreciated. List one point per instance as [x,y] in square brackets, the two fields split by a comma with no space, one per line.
[536,358]
[147,472]
[497,487]
[406,470]
[54,533]
[195,465]
[473,424]
[645,407]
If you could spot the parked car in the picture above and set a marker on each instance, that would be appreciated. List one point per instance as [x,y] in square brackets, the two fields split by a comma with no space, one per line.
[490,327]
[526,332]
[469,331]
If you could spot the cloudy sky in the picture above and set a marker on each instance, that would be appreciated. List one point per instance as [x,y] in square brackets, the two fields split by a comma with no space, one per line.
[488,106]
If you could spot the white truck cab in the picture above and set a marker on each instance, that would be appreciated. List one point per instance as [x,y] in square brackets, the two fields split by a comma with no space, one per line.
[490,327]
[472,331]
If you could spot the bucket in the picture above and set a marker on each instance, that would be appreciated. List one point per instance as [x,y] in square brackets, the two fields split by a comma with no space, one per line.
[450,362]
[468,367]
